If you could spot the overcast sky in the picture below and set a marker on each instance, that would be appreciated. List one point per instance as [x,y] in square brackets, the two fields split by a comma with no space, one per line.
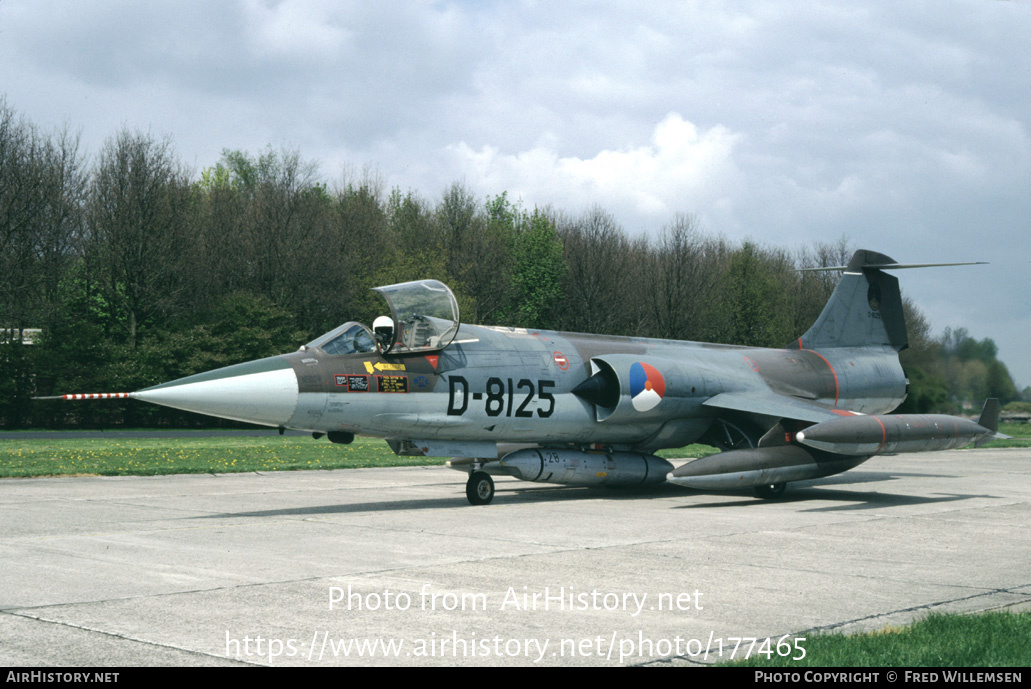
[902,126]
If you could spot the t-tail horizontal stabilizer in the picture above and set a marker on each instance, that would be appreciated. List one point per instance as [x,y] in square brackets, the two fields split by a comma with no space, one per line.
[866,307]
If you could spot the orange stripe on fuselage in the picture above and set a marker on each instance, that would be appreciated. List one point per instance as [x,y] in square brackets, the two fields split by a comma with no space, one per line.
[884,434]
[837,387]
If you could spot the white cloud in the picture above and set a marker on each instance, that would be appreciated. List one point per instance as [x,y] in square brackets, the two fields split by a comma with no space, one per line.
[680,169]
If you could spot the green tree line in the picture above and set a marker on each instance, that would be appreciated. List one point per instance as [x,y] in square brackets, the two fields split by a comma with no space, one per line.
[138,272]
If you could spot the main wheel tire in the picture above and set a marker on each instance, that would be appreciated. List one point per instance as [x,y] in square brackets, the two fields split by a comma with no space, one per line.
[480,488]
[771,490]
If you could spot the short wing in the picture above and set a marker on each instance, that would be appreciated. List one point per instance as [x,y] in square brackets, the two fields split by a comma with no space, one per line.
[773,405]
[774,411]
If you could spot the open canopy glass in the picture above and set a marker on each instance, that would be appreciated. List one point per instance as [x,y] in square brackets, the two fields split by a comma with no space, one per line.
[424,318]
[425,315]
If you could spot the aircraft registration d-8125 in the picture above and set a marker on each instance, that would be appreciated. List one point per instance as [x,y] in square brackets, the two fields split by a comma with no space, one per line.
[591,410]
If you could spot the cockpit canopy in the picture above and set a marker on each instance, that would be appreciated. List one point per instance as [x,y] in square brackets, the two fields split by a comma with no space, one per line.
[350,338]
[425,319]
[425,314]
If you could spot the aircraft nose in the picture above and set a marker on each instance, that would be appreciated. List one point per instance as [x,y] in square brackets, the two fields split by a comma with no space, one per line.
[263,391]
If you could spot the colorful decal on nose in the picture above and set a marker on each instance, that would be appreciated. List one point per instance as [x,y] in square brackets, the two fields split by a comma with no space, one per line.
[647,386]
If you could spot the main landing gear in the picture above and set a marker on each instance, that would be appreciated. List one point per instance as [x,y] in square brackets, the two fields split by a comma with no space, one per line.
[480,488]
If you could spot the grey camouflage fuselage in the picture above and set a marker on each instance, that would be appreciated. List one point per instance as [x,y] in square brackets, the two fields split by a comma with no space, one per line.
[587,409]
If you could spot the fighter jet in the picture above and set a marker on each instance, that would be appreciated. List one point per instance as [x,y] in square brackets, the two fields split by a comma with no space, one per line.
[590,410]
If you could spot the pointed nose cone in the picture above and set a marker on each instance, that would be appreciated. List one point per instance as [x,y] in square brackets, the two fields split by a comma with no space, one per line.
[263,392]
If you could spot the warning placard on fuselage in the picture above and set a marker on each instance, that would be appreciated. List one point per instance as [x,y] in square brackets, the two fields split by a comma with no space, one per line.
[352,383]
[392,383]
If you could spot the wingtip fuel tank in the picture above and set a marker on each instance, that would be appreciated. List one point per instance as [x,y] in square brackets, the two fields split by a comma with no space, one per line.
[886,434]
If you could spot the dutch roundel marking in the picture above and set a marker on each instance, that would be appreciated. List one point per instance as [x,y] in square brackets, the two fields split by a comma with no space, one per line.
[647,386]
[560,360]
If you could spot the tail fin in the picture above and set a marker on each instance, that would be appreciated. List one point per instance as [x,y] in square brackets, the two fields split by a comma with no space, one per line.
[990,415]
[865,308]
[990,419]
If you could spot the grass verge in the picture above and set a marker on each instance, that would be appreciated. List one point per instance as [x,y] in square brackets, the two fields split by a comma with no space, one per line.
[113,456]
[219,455]
[1021,433]
[155,456]
[998,639]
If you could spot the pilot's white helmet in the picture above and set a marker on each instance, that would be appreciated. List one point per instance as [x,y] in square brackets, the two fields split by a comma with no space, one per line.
[383,326]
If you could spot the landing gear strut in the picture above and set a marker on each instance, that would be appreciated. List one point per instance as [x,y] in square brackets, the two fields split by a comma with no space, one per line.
[480,488]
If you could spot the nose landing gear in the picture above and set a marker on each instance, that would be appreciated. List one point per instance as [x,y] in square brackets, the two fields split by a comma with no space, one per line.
[480,488]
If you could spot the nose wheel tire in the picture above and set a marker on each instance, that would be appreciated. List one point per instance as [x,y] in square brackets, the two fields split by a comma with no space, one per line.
[771,491]
[480,488]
